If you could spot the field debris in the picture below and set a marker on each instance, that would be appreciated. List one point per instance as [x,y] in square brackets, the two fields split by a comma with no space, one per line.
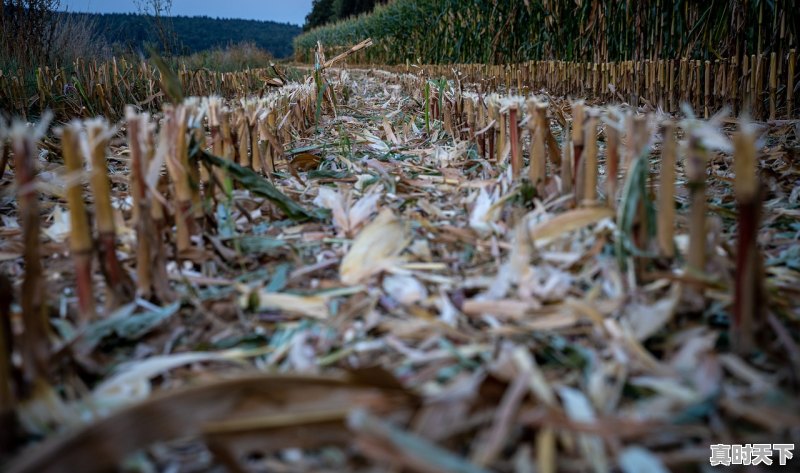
[382,270]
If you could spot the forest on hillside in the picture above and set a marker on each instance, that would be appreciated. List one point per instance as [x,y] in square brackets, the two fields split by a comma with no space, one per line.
[128,31]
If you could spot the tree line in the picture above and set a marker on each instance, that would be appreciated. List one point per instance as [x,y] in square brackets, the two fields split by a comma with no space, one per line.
[35,33]
[195,33]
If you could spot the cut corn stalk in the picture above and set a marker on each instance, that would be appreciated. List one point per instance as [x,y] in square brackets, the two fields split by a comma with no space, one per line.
[119,284]
[748,305]
[590,167]
[80,237]
[180,173]
[35,346]
[537,123]
[666,192]
[7,398]
[566,160]
[612,164]
[696,164]
[516,154]
[578,169]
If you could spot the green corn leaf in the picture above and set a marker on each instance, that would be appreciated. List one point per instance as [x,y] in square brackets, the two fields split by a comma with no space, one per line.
[170,83]
[257,184]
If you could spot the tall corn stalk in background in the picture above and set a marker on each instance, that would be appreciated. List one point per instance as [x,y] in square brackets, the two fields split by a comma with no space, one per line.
[476,31]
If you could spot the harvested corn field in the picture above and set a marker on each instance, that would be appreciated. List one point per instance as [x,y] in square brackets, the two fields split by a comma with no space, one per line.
[448,268]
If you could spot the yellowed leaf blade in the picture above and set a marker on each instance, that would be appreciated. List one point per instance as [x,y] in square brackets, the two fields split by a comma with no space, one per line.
[102,445]
[375,249]
[569,221]
[308,306]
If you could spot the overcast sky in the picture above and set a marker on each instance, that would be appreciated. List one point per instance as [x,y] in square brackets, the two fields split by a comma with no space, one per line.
[284,11]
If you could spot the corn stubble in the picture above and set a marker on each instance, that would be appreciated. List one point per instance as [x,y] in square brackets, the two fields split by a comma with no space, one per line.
[148,212]
[80,237]
[749,294]
[120,285]
[597,181]
[35,343]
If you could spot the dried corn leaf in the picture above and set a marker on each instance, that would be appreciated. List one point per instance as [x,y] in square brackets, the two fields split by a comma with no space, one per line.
[102,445]
[260,186]
[376,248]
[568,222]
[306,306]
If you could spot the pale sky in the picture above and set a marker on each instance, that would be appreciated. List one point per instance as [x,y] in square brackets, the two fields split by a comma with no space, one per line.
[284,11]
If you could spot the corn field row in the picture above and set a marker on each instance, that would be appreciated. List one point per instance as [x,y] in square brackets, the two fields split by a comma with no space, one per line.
[250,132]
[501,32]
[500,127]
[88,88]
[250,136]
[762,85]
